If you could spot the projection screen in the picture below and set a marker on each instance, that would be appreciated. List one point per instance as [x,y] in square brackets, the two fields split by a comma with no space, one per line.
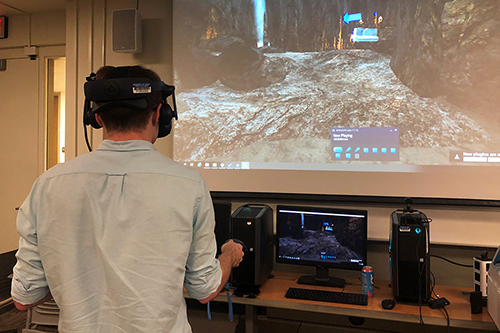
[344,97]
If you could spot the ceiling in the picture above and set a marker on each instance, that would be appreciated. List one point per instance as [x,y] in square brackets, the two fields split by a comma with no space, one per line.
[30,6]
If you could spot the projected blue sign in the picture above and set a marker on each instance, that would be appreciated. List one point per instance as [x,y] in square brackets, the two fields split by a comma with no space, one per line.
[364,143]
[352,17]
[364,35]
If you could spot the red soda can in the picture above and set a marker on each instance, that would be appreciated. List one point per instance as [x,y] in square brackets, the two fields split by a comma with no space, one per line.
[367,280]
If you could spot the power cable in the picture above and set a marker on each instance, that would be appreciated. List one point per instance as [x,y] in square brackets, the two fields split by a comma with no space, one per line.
[451,262]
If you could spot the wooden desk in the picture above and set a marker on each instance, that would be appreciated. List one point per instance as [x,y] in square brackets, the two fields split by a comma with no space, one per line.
[272,296]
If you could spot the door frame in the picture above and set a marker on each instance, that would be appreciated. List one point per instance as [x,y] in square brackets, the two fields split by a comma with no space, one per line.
[45,54]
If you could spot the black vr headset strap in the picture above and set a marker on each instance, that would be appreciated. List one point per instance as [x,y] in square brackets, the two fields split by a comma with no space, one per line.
[119,72]
[88,115]
[166,112]
[166,91]
[175,104]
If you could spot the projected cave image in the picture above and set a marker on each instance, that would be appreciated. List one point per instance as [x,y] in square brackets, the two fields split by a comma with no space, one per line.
[337,81]
[321,238]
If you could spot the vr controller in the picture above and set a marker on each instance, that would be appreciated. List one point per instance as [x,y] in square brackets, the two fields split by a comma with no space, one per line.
[237,241]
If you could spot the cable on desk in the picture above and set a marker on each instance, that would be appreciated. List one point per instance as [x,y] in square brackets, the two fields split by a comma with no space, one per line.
[447,320]
[433,284]
[436,296]
[450,261]
[229,303]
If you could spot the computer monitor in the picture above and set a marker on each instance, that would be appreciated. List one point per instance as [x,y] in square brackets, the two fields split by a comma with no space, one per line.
[324,238]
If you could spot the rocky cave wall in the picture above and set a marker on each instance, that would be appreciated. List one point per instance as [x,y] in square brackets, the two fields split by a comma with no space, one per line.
[447,48]
[450,49]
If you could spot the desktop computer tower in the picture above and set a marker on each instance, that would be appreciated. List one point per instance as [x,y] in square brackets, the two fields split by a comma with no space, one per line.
[253,225]
[409,256]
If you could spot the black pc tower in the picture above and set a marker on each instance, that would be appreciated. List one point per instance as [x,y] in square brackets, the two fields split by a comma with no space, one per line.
[409,256]
[253,225]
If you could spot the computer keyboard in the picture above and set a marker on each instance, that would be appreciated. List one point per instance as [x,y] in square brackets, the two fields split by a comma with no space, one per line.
[327,296]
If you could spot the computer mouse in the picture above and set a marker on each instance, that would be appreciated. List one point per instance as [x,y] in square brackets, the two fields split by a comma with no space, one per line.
[388,304]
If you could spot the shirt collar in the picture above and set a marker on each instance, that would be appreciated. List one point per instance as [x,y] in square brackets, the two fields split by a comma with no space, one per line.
[131,145]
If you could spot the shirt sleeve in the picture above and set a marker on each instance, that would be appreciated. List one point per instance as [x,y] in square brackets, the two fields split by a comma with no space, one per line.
[203,271]
[29,284]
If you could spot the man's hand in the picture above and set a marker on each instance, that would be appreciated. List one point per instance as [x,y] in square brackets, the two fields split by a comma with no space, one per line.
[234,251]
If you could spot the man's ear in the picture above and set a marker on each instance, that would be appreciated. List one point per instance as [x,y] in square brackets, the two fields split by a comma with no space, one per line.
[99,119]
[156,115]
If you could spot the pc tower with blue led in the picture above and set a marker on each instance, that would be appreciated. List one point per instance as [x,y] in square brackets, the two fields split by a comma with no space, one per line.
[409,255]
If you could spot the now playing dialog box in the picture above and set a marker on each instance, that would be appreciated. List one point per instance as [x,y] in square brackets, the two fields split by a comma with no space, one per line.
[364,143]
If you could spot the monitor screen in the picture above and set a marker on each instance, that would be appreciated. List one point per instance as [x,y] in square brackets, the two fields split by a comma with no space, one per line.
[324,237]
[358,97]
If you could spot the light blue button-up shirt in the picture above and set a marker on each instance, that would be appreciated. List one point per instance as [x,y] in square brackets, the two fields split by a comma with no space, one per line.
[114,235]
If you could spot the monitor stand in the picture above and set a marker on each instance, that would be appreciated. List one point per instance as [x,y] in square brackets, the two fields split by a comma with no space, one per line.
[322,279]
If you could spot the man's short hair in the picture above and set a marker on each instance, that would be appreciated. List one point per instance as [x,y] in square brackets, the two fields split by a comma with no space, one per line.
[123,119]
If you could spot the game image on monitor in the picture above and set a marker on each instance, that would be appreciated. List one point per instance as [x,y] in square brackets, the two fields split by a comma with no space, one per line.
[321,237]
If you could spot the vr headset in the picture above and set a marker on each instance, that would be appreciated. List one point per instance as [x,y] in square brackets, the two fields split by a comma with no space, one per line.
[120,91]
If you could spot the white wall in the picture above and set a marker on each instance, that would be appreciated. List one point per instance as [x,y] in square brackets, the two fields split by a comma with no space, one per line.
[23,105]
[46,29]
[18,165]
[89,38]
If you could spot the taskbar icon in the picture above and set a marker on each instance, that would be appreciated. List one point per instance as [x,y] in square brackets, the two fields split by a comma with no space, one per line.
[210,165]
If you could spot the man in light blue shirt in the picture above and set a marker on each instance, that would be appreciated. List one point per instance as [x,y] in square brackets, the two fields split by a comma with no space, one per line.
[114,235]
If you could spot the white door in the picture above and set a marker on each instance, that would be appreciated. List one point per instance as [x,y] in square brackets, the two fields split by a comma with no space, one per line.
[19,145]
